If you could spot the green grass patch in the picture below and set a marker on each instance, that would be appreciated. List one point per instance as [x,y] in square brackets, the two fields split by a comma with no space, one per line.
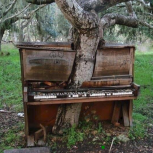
[10,79]
[14,138]
[73,136]
[143,106]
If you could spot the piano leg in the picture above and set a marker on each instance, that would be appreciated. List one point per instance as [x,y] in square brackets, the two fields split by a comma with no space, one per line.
[30,141]
[125,111]
[124,107]
[116,113]
[130,111]
[127,108]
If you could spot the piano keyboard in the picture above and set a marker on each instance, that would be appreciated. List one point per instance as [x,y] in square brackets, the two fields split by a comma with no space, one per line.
[41,95]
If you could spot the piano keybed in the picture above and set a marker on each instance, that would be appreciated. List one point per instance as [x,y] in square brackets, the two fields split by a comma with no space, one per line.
[81,93]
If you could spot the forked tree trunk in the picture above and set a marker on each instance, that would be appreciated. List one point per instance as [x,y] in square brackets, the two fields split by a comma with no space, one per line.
[86,39]
[1,36]
[68,114]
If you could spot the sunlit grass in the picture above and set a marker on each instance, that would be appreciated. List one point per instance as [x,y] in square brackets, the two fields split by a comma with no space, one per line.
[144,77]
[10,79]
[143,106]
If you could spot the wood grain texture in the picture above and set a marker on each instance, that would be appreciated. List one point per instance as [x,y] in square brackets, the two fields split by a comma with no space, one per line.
[113,61]
[51,65]
[25,94]
[46,114]
[125,113]
[82,100]
[130,112]
[116,112]
[26,129]
[47,65]
[30,141]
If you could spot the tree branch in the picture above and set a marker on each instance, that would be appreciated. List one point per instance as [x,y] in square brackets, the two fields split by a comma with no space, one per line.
[79,18]
[130,10]
[87,5]
[38,8]
[144,4]
[112,19]
[39,2]
[99,5]
[145,24]
[17,14]
[31,13]
[11,6]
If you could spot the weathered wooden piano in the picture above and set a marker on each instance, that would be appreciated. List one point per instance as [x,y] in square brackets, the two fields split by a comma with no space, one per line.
[46,68]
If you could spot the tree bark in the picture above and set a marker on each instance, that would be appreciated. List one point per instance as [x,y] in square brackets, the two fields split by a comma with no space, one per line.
[68,114]
[1,36]
[86,38]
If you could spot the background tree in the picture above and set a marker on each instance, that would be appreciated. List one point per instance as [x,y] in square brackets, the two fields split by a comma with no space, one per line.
[53,25]
[90,19]
[13,11]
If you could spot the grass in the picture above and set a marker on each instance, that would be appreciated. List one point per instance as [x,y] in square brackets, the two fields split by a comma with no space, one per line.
[11,96]
[10,84]
[14,138]
[143,106]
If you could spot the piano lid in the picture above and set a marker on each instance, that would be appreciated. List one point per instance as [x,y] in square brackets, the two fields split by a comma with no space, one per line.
[115,60]
[42,45]
[54,61]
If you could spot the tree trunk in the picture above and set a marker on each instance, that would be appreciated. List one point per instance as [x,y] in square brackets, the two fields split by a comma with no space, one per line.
[86,46]
[86,39]
[21,36]
[1,36]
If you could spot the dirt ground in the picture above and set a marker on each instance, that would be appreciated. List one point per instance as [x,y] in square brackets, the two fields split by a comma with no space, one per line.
[8,120]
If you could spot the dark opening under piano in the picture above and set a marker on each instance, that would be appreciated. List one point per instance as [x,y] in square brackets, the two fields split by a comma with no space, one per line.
[46,68]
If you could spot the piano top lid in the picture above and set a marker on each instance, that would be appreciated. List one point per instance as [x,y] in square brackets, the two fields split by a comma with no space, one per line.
[44,45]
[117,45]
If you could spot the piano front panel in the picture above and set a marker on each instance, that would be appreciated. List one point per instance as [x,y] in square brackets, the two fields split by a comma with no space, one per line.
[107,82]
[46,114]
[47,65]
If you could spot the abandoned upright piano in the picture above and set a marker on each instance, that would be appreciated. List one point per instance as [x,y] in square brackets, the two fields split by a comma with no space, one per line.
[45,69]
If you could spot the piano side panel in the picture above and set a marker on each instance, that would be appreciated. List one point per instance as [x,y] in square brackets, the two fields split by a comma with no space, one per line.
[113,61]
[47,65]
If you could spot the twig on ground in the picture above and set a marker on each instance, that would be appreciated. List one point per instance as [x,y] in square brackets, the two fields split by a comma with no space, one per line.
[44,130]
[3,111]
[112,144]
